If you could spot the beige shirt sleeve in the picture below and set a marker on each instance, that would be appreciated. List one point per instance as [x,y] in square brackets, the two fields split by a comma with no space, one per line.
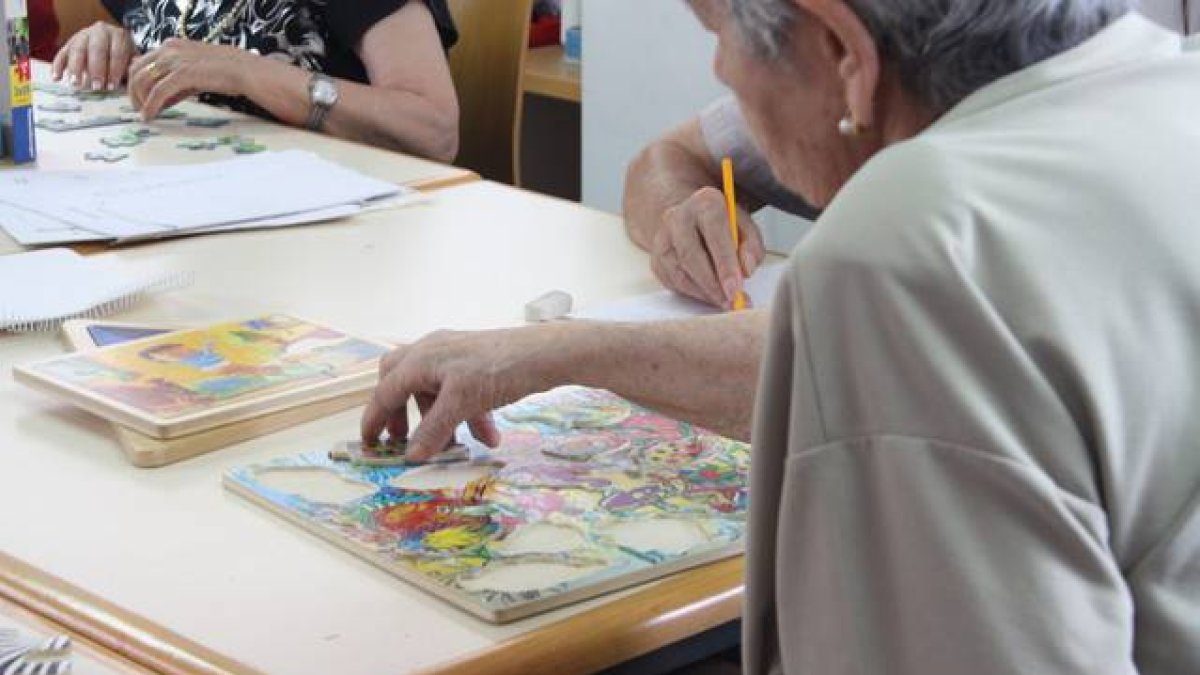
[880,550]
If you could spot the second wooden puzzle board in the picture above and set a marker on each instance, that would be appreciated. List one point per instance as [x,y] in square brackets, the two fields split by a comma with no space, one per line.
[587,494]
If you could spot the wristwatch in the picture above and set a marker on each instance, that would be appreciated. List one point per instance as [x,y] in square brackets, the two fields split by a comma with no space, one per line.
[322,96]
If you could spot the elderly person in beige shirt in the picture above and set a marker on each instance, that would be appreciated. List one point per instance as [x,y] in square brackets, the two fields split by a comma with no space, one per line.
[975,444]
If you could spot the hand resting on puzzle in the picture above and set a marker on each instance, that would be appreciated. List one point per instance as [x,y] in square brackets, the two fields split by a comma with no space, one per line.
[457,377]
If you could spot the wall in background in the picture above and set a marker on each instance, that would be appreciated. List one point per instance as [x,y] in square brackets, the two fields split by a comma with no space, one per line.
[647,68]
[1169,13]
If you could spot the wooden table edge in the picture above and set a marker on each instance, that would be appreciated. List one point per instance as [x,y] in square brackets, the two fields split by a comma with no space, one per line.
[133,637]
[658,615]
[465,177]
[80,644]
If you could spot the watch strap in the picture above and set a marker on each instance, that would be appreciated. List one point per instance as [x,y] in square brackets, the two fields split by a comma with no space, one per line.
[317,110]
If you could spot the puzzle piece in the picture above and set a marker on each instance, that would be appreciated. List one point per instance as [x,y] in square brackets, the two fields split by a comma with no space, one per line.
[58,124]
[60,107]
[391,453]
[248,147]
[129,137]
[198,144]
[108,156]
[67,91]
[168,114]
[56,88]
[121,141]
[207,122]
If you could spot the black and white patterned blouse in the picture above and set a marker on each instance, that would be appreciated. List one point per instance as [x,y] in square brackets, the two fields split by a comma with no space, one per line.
[316,35]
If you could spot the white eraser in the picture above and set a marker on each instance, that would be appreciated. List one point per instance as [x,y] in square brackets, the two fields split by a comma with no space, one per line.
[548,307]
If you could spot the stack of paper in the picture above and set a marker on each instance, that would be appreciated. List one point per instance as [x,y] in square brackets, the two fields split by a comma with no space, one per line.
[266,190]
[38,290]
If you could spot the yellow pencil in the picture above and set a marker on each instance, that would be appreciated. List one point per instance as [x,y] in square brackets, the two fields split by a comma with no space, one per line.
[739,300]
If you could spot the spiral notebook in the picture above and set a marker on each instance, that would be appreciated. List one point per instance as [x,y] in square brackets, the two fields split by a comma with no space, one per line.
[41,289]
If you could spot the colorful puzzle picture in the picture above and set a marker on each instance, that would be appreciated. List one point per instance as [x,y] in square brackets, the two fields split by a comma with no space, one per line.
[586,494]
[193,379]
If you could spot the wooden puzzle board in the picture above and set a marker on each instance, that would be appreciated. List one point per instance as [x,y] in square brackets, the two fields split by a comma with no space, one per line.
[587,494]
[147,452]
[195,380]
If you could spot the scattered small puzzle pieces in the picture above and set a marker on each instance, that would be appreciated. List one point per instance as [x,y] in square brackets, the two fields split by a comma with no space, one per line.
[96,95]
[108,156]
[168,114]
[67,91]
[60,106]
[391,453]
[207,122]
[241,145]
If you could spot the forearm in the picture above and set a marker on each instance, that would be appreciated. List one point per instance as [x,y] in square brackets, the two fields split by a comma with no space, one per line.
[374,115]
[703,370]
[662,175]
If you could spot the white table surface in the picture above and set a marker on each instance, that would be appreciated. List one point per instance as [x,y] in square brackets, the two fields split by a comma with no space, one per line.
[171,545]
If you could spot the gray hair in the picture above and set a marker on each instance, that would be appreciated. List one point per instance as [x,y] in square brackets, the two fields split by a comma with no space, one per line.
[944,50]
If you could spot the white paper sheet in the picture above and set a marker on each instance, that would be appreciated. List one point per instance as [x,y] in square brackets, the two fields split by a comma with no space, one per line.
[265,190]
[30,228]
[664,305]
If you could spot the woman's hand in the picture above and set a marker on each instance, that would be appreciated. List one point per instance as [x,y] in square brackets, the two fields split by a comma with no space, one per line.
[458,377]
[97,57]
[693,252]
[182,68]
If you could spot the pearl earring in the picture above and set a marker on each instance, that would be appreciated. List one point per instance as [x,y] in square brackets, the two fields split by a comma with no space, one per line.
[848,127]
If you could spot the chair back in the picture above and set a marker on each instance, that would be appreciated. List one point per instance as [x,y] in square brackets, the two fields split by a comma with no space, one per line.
[487,65]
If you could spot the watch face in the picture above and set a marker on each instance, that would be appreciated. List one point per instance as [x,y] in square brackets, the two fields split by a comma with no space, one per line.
[324,93]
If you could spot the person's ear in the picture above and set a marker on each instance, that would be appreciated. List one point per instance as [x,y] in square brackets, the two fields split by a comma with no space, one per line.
[848,44]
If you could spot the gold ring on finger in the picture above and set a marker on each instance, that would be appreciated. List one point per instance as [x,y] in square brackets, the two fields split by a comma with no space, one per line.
[152,70]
